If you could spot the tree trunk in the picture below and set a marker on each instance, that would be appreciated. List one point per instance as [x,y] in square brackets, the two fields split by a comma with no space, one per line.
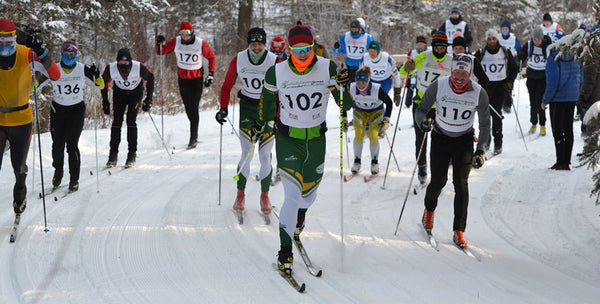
[244,22]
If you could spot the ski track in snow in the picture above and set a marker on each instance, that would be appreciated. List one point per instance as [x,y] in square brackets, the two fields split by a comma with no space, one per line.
[155,233]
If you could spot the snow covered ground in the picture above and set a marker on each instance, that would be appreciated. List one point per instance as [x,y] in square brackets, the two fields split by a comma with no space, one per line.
[156,234]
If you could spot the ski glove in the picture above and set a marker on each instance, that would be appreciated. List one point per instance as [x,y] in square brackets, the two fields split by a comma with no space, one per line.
[397,97]
[160,39]
[336,45]
[426,124]
[147,104]
[106,107]
[409,65]
[345,124]
[477,161]
[221,115]
[210,79]
[257,131]
[36,44]
[343,79]
[385,124]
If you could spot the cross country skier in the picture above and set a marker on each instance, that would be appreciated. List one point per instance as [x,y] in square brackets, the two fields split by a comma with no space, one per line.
[501,69]
[459,46]
[429,66]
[16,116]
[550,28]
[67,112]
[250,65]
[421,46]
[128,76]
[369,99]
[453,24]
[507,39]
[278,48]
[535,53]
[303,84]
[383,69]
[457,99]
[352,45]
[190,51]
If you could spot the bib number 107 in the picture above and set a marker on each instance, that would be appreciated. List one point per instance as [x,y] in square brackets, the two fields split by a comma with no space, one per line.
[303,101]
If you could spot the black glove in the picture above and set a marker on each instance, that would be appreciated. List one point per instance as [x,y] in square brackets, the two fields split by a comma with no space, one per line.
[160,39]
[343,79]
[345,124]
[477,161]
[336,45]
[147,104]
[397,97]
[210,79]
[221,115]
[95,71]
[426,124]
[106,107]
[257,131]
[36,43]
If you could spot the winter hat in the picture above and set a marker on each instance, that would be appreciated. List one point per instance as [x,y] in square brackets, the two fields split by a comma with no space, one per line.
[462,62]
[455,10]
[537,33]
[7,27]
[583,26]
[124,54]
[355,24]
[439,38]
[257,34]
[8,33]
[422,39]
[547,17]
[300,33]
[491,33]
[278,44]
[375,45]
[186,25]
[505,24]
[459,41]
[362,23]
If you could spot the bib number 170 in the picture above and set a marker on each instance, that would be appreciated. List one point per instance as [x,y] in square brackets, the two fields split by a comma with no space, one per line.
[303,101]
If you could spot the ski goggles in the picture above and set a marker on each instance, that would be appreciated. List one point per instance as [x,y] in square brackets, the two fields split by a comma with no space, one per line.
[302,49]
[185,33]
[8,36]
[69,47]
[277,53]
[257,38]
[362,77]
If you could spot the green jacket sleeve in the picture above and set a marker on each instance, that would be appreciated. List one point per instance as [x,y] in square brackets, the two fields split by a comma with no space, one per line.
[348,101]
[267,107]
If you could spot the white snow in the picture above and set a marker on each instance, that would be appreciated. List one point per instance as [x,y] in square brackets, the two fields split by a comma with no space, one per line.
[156,234]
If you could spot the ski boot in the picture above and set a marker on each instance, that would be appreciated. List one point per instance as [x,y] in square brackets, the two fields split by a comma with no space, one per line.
[55,183]
[192,144]
[374,167]
[19,207]
[285,260]
[356,166]
[130,160]
[459,239]
[497,149]
[265,203]
[427,219]
[543,131]
[238,204]
[112,160]
[422,174]
[73,186]
[533,129]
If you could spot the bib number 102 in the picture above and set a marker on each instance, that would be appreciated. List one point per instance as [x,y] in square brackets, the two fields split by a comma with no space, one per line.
[303,101]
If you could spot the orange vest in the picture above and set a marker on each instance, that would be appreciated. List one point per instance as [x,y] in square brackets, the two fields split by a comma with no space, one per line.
[15,85]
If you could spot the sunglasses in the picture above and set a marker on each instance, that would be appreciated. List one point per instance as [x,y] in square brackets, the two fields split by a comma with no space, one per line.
[185,32]
[69,48]
[362,77]
[257,38]
[277,53]
[302,49]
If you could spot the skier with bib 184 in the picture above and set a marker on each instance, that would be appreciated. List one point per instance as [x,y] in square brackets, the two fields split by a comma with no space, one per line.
[17,65]
[457,99]
[353,45]
[501,69]
[190,51]
[429,66]
[250,65]
[369,99]
[67,112]
[128,76]
[303,84]
[453,24]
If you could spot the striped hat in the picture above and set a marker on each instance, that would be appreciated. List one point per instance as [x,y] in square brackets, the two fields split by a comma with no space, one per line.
[439,38]
[300,33]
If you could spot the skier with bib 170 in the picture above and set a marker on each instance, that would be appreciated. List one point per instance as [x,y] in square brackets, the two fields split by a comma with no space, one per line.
[353,45]
[190,52]
[17,65]
[250,65]
[369,99]
[67,112]
[429,65]
[303,84]
[457,99]
[128,76]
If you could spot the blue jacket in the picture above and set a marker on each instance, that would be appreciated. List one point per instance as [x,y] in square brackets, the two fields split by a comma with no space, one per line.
[563,79]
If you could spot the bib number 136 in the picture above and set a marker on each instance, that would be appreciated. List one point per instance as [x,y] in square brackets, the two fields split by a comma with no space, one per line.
[303,101]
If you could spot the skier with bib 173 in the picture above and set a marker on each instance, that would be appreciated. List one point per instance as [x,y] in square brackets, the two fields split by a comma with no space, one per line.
[128,90]
[352,45]
[457,99]
[250,65]
[452,25]
[303,84]
[190,52]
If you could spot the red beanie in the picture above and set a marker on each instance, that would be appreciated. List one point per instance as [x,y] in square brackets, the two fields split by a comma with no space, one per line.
[278,44]
[186,25]
[7,26]
[300,33]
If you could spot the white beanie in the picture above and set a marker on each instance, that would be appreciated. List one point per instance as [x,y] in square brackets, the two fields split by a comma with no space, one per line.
[491,33]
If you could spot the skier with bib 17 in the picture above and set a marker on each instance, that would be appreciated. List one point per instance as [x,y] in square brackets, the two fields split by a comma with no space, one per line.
[303,84]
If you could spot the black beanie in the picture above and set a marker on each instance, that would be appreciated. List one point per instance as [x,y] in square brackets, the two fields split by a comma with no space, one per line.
[257,31]
[124,54]
[459,41]
[547,17]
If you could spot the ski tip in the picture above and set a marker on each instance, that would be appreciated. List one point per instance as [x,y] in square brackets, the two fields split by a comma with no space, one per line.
[55,199]
[415,191]
[319,274]
[302,288]
[46,230]
[366,179]
[12,239]
[41,195]
[91,173]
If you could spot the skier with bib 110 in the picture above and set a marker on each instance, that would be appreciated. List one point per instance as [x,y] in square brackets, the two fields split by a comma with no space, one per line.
[353,45]
[250,65]
[369,99]
[190,51]
[429,65]
[128,76]
[67,112]
[303,84]
[17,65]
[457,99]
[453,24]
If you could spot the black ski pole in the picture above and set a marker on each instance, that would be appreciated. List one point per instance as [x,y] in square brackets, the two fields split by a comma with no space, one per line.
[161,139]
[220,160]
[394,137]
